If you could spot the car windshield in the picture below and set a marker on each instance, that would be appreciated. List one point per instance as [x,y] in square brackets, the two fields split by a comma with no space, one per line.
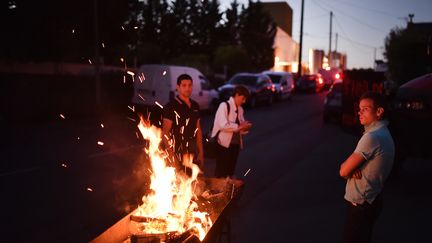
[246,80]
[275,78]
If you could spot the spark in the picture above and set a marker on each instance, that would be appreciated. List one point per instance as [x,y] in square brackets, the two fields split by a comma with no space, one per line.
[131,119]
[136,27]
[136,133]
[157,103]
[187,144]
[164,73]
[62,116]
[182,129]
[247,172]
[64,165]
[100,143]
[167,138]
[140,79]
[139,95]
[103,45]
[121,59]
[130,73]
[124,79]
[187,121]
[160,124]
[123,28]
[196,130]
[177,120]
[150,171]
[102,125]
[90,61]
[78,138]
[89,189]
[132,108]
[73,31]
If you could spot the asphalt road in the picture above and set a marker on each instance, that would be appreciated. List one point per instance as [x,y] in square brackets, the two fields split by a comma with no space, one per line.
[59,185]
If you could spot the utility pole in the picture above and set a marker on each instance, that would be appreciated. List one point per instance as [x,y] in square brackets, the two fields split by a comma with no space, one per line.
[330,39]
[336,42]
[299,71]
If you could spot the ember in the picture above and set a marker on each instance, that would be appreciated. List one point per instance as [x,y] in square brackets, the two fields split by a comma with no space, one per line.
[170,206]
[179,207]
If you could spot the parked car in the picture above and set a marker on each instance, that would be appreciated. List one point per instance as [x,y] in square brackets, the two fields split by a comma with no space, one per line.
[333,103]
[260,86]
[412,118]
[330,76]
[310,83]
[157,83]
[283,83]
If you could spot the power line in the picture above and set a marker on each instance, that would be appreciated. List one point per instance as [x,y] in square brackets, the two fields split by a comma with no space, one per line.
[314,36]
[349,16]
[368,9]
[356,42]
[312,18]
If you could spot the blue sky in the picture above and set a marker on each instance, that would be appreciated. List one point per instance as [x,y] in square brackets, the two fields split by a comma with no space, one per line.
[361,25]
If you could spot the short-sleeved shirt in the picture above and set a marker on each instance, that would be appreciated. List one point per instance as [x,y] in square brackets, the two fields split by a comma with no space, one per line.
[184,124]
[377,148]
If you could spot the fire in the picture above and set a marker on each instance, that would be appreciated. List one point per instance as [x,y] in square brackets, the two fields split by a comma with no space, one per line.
[170,207]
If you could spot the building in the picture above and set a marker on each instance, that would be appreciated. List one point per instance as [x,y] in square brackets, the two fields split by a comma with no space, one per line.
[286,49]
[337,60]
[316,60]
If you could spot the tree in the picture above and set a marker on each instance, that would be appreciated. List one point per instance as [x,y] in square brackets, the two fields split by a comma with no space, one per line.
[257,32]
[206,26]
[231,59]
[407,52]
[231,27]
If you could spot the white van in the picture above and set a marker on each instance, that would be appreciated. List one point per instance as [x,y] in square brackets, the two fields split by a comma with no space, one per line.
[157,83]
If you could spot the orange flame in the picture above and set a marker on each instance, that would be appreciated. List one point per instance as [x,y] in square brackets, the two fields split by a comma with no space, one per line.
[170,203]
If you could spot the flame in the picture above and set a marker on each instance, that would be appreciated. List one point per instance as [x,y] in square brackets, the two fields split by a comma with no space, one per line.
[170,206]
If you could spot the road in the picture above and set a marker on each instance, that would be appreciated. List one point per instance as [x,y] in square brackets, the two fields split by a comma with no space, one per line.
[59,185]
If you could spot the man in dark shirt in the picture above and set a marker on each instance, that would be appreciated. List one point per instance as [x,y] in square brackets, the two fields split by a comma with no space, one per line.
[181,128]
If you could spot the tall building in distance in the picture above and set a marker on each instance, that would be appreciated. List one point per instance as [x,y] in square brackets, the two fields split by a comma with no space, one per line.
[316,60]
[286,49]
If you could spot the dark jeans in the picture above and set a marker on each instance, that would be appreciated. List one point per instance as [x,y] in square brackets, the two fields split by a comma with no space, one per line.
[226,160]
[360,221]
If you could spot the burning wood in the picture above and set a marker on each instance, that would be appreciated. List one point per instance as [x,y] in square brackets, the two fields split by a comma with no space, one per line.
[180,206]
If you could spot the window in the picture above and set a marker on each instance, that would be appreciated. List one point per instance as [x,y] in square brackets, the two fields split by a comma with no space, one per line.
[205,83]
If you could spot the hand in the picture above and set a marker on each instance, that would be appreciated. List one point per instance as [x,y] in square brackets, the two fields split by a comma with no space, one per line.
[244,126]
[356,174]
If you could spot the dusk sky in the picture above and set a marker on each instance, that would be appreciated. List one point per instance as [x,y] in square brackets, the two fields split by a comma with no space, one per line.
[361,25]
